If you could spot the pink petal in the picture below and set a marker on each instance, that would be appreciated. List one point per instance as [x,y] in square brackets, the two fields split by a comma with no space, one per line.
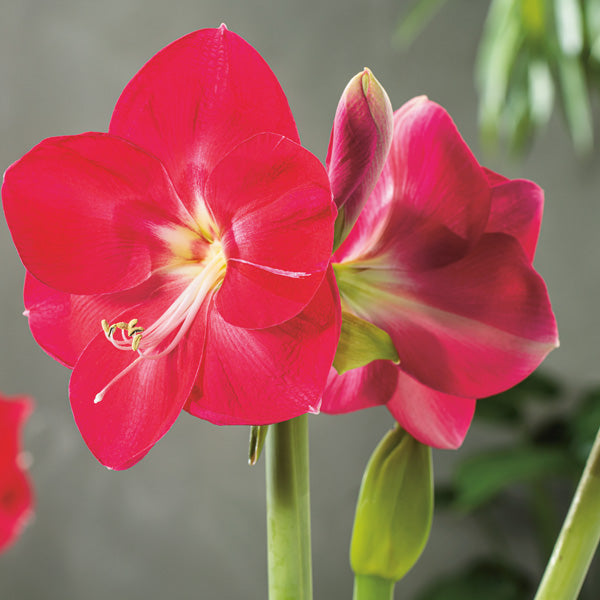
[83,212]
[196,100]
[255,377]
[472,328]
[360,141]
[433,418]
[138,408]
[431,189]
[16,496]
[517,208]
[272,203]
[371,385]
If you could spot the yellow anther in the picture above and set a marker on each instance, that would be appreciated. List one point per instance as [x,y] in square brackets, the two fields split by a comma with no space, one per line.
[121,325]
[111,330]
[136,330]
[105,326]
[130,326]
[137,338]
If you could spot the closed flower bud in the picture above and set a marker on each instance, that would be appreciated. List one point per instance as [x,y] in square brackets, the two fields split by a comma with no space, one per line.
[394,510]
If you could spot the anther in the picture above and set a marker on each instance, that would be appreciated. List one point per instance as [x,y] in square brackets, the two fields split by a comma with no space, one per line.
[130,326]
[137,338]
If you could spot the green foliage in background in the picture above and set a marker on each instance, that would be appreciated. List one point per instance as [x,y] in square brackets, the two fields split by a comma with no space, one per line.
[530,52]
[527,480]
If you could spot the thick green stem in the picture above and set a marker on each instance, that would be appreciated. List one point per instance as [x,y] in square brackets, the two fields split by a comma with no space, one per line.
[371,587]
[578,538]
[288,511]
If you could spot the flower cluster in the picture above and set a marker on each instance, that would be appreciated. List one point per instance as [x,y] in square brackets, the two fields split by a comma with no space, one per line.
[183,260]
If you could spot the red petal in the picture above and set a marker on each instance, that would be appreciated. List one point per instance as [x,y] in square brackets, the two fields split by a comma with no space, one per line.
[255,377]
[432,192]
[16,496]
[272,203]
[140,407]
[433,418]
[517,208]
[257,298]
[196,100]
[472,328]
[371,385]
[83,212]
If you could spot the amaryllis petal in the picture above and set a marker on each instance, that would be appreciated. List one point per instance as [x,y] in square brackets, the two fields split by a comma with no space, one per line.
[371,385]
[270,197]
[358,147]
[123,403]
[196,100]
[474,327]
[256,297]
[16,496]
[516,209]
[271,202]
[86,222]
[282,369]
[431,183]
[433,418]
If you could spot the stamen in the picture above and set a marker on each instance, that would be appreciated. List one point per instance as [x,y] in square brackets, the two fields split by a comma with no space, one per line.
[174,322]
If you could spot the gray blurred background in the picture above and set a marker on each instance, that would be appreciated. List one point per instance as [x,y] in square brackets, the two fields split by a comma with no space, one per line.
[188,521]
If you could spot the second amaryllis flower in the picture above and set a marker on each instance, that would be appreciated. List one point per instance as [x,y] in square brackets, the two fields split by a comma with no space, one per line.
[182,259]
[440,259]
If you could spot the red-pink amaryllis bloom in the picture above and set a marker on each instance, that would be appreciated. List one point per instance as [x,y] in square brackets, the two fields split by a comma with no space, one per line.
[441,259]
[182,259]
[16,495]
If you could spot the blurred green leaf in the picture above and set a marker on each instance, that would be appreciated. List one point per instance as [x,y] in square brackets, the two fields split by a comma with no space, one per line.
[482,580]
[415,20]
[569,26]
[500,43]
[585,423]
[533,15]
[508,406]
[576,103]
[481,478]
[541,92]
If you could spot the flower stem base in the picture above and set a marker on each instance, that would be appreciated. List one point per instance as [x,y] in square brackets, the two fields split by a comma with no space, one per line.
[371,587]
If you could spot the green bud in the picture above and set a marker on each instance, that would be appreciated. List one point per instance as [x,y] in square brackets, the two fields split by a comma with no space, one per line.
[394,510]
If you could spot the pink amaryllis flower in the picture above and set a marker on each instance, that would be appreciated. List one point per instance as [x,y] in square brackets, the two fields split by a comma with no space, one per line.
[16,496]
[441,260]
[182,259]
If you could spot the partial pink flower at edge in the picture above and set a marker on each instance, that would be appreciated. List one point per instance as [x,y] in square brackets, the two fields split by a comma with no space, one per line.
[198,231]
[440,259]
[16,495]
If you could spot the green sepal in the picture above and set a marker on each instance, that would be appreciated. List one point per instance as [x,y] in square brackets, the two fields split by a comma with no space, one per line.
[258,435]
[360,343]
[394,509]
